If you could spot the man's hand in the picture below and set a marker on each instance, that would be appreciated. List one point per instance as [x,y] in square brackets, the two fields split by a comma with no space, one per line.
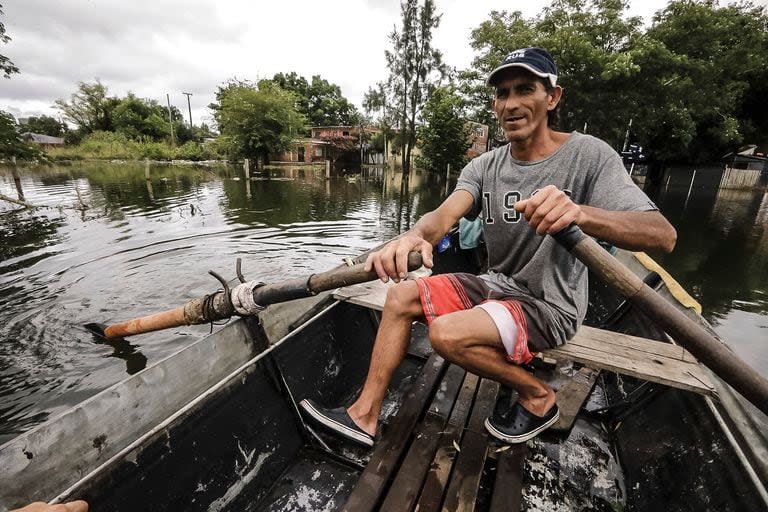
[391,261]
[549,210]
[39,506]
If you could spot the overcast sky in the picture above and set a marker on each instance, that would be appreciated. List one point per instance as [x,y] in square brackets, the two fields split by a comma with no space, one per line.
[154,47]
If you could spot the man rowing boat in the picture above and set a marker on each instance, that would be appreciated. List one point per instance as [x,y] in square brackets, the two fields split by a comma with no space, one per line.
[534,295]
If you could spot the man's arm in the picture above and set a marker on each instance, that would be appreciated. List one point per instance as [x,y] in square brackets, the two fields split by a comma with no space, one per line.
[391,261]
[551,210]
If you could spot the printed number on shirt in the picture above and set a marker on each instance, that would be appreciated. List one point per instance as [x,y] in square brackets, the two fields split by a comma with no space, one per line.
[509,215]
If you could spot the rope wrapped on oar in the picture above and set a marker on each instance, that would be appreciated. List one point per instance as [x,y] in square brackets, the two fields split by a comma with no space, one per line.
[245,299]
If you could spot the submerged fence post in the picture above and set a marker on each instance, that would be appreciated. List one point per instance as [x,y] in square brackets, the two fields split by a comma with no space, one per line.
[327,169]
[247,168]
[146,169]
[690,187]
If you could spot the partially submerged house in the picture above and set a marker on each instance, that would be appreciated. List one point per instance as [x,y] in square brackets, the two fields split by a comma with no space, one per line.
[42,140]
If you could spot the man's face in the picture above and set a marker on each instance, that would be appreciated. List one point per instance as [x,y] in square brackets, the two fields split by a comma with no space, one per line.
[522,104]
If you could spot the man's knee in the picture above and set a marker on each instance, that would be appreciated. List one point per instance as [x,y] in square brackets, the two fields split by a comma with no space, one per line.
[403,299]
[442,337]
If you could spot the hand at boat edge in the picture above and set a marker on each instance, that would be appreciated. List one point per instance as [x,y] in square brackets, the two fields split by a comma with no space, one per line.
[39,506]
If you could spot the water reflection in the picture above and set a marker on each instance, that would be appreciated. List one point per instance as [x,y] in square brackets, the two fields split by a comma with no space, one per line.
[721,256]
[109,244]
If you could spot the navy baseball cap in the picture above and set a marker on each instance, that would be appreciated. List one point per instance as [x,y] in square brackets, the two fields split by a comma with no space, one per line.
[537,61]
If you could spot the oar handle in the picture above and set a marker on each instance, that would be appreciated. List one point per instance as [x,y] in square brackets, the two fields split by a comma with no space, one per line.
[218,306]
[705,347]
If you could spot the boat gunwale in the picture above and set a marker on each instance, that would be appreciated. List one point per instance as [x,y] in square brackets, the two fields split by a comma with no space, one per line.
[181,413]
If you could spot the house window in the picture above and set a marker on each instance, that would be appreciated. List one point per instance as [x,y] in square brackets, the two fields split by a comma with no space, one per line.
[319,152]
[346,134]
[317,134]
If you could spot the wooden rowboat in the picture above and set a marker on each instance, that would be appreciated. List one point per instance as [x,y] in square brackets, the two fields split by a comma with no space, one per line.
[215,426]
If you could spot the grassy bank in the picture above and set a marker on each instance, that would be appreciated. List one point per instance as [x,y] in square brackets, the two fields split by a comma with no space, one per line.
[115,146]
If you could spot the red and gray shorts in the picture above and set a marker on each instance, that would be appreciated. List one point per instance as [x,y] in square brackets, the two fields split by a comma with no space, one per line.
[519,321]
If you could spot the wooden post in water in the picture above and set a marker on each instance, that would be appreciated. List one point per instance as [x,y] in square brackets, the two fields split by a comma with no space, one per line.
[247,176]
[327,169]
[690,187]
[148,181]
[17,180]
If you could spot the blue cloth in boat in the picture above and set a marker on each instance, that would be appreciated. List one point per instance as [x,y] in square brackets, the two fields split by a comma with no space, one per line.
[470,232]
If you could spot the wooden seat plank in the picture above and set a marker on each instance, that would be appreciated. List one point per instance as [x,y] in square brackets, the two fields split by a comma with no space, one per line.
[405,488]
[389,450]
[594,336]
[508,487]
[670,372]
[434,485]
[374,293]
[465,478]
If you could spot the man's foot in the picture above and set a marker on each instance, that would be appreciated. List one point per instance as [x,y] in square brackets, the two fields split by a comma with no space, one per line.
[517,425]
[336,421]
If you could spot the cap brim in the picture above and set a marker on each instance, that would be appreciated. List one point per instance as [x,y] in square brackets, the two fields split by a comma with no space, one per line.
[552,78]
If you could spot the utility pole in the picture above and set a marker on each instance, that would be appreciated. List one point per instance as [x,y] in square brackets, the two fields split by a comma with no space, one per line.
[189,106]
[170,118]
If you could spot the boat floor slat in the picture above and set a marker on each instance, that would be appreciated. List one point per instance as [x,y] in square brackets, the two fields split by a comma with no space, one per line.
[405,488]
[436,478]
[508,486]
[390,448]
[572,396]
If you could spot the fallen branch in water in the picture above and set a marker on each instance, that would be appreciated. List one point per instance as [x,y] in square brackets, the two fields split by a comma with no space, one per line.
[25,204]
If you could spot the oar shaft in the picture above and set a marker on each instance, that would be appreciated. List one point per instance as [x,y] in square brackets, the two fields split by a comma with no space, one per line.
[705,347]
[218,307]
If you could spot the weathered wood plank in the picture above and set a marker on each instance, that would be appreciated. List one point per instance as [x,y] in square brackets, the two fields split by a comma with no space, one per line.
[389,450]
[670,372]
[591,336]
[434,485]
[405,488]
[465,479]
[571,397]
[508,486]
[373,294]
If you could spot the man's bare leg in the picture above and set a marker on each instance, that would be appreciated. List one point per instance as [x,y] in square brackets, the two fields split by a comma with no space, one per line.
[471,340]
[401,308]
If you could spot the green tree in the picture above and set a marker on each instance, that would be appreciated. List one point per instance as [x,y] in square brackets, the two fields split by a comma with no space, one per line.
[141,118]
[257,120]
[11,144]
[704,74]
[694,83]
[89,107]
[592,43]
[45,125]
[375,101]
[415,67]
[6,66]
[319,100]
[444,136]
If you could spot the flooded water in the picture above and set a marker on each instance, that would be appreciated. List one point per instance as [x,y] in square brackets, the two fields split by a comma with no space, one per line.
[107,245]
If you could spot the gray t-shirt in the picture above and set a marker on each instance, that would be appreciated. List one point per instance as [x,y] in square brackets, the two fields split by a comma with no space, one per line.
[520,262]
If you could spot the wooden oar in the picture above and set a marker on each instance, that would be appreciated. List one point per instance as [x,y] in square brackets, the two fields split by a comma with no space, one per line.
[217,306]
[705,347]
